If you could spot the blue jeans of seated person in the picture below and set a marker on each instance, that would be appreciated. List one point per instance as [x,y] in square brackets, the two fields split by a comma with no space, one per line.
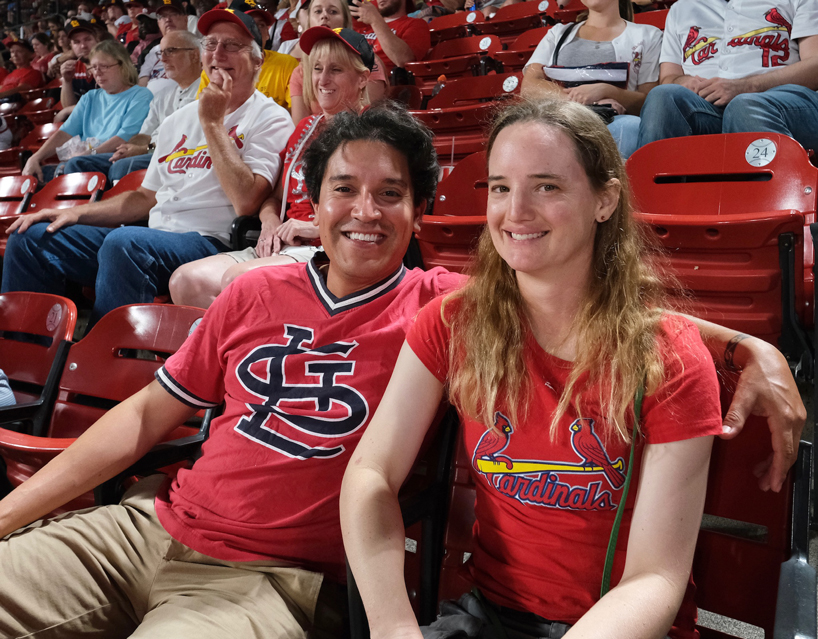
[625,131]
[126,265]
[672,111]
[102,162]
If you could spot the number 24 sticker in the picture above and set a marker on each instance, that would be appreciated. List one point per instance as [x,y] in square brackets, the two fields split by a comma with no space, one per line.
[760,152]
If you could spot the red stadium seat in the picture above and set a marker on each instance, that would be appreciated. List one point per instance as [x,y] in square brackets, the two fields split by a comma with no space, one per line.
[514,20]
[458,131]
[15,194]
[520,50]
[38,135]
[118,357]
[11,162]
[129,182]
[470,91]
[654,18]
[39,104]
[33,94]
[68,190]
[454,59]
[569,13]
[447,237]
[455,25]
[34,331]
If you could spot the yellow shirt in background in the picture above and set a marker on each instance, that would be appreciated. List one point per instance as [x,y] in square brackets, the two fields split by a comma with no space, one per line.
[273,79]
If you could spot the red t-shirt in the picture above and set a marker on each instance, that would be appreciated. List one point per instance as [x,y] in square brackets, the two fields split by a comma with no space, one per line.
[413,31]
[29,76]
[300,380]
[541,537]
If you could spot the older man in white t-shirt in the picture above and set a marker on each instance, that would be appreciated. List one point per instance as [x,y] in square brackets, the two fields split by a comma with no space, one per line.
[735,66]
[215,159]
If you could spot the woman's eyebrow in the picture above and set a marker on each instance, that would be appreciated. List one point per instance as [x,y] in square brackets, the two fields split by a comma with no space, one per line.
[536,176]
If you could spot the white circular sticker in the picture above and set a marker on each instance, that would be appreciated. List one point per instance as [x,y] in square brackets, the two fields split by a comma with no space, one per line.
[53,318]
[485,43]
[760,152]
[543,6]
[92,183]
[510,83]
[193,326]
[24,187]
[471,17]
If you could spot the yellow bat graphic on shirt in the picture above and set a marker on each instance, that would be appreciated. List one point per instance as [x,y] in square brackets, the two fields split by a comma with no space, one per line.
[490,467]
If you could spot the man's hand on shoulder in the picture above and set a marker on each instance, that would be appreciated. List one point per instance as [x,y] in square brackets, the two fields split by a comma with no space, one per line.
[58,218]
[766,389]
[215,98]
[719,91]
[367,12]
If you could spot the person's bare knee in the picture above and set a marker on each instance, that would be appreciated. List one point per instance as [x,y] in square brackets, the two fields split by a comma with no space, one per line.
[197,283]
[243,267]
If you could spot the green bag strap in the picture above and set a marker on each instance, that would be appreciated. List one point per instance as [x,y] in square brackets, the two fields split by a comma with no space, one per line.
[609,556]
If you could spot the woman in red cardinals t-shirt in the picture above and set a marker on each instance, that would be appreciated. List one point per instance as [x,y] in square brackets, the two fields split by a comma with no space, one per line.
[543,352]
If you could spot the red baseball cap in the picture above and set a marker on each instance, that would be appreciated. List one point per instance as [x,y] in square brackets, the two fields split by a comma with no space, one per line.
[352,39]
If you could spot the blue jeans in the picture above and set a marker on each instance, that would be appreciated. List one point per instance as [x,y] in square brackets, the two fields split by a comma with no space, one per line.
[672,111]
[625,131]
[102,162]
[126,265]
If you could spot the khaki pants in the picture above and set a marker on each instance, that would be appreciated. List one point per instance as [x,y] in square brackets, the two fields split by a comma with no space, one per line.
[115,572]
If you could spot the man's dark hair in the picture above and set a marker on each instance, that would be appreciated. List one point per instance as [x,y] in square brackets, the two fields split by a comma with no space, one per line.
[389,123]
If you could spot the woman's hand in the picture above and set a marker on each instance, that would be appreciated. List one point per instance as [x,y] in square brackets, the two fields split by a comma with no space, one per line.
[264,246]
[590,93]
[292,232]
[32,167]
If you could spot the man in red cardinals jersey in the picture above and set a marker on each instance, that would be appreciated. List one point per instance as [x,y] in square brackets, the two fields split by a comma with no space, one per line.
[729,67]
[395,37]
[300,355]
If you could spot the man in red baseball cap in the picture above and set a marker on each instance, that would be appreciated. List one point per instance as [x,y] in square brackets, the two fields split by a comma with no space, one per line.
[276,68]
[395,37]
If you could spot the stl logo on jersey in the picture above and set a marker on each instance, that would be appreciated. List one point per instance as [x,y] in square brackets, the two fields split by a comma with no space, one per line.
[305,408]
[699,49]
[180,159]
[537,482]
[771,40]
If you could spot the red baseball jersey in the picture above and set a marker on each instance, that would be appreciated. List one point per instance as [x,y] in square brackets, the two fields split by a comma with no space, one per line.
[301,373]
[544,508]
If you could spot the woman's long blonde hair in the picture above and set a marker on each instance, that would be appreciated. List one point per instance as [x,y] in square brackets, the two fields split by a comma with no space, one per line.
[616,326]
[336,50]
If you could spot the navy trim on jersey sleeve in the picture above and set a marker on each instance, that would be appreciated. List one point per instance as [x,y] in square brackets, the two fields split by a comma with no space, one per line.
[180,392]
[335,305]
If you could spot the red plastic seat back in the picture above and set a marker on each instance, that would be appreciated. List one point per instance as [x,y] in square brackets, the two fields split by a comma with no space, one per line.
[118,357]
[129,182]
[523,9]
[15,194]
[465,190]
[68,190]
[32,326]
[530,39]
[487,44]
[39,104]
[654,18]
[723,174]
[454,25]
[730,265]
[38,135]
[468,91]
[512,21]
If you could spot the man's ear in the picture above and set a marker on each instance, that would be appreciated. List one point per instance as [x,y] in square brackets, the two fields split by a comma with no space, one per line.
[420,209]
[315,212]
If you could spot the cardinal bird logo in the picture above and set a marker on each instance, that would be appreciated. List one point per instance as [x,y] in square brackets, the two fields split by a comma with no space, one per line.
[587,445]
[495,441]
[692,35]
[774,16]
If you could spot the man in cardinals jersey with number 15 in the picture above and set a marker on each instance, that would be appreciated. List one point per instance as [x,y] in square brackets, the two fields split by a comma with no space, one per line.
[736,66]
[215,159]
